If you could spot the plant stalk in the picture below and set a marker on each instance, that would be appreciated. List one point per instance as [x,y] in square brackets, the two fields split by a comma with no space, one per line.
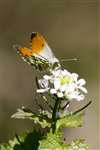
[54,115]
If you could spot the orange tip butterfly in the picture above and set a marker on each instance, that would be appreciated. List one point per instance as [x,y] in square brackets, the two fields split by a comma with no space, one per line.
[39,55]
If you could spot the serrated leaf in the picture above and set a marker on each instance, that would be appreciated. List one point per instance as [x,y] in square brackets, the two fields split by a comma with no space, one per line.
[70,121]
[54,142]
[41,119]
[51,142]
[77,144]
[9,145]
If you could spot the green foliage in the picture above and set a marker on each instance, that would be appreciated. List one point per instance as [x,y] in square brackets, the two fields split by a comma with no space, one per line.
[37,141]
[70,121]
[54,142]
[77,144]
[41,119]
[26,141]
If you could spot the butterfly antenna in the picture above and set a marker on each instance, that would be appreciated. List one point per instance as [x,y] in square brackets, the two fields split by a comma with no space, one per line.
[70,59]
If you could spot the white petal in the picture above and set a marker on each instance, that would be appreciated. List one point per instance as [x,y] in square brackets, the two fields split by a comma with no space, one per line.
[81,82]
[71,95]
[57,84]
[46,77]
[75,95]
[42,90]
[65,72]
[75,76]
[56,73]
[80,97]
[53,91]
[83,89]
[70,87]
[43,83]
[63,88]
[60,94]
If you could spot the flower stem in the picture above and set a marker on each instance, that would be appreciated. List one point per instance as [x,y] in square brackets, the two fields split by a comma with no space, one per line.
[54,115]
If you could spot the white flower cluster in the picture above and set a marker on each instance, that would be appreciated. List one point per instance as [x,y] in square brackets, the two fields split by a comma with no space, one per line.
[63,84]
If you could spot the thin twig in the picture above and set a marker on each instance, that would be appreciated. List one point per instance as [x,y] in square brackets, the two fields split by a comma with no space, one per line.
[65,105]
[79,110]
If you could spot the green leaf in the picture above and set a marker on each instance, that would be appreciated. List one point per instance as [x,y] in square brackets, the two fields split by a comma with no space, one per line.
[77,144]
[26,141]
[51,142]
[37,141]
[41,119]
[54,142]
[70,121]
[9,145]
[5,147]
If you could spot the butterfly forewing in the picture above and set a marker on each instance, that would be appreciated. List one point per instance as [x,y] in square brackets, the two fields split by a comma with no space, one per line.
[36,55]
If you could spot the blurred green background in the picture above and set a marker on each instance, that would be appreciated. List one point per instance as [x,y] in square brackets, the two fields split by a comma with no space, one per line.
[71,29]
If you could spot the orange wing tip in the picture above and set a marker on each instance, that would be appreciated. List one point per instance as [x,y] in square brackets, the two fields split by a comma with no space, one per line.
[38,42]
[25,51]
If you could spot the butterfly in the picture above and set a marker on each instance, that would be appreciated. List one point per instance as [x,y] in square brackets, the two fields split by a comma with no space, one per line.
[39,54]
